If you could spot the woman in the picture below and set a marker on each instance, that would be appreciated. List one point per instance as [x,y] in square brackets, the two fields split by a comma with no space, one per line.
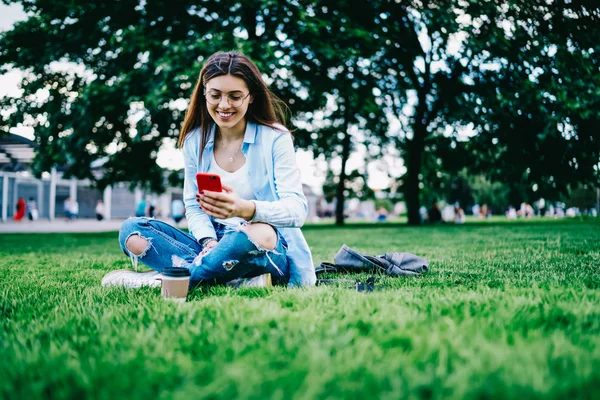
[99,210]
[233,127]
[32,211]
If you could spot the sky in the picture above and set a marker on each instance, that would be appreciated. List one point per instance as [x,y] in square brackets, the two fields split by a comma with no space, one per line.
[312,170]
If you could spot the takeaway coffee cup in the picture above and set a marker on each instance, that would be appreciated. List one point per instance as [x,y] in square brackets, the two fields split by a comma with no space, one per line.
[175,283]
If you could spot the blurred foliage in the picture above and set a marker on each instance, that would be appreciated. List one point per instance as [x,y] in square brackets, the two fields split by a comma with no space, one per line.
[468,190]
[175,178]
[337,73]
[494,194]
[582,197]
[355,186]
[386,204]
[139,58]
[509,90]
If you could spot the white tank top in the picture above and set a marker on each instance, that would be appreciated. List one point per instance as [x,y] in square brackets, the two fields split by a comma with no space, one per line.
[240,183]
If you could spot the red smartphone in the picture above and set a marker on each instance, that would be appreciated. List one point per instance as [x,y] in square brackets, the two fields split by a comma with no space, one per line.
[210,182]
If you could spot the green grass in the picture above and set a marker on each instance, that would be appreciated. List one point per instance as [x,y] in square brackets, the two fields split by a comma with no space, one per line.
[509,310]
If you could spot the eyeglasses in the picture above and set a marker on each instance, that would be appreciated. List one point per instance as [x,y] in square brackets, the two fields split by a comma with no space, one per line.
[235,99]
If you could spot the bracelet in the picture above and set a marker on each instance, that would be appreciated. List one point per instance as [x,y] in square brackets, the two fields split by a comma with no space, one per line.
[205,241]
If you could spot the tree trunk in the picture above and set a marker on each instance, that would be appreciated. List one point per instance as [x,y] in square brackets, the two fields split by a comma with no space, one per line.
[415,150]
[339,208]
[415,153]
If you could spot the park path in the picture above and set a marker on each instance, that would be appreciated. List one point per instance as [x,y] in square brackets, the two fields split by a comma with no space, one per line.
[60,225]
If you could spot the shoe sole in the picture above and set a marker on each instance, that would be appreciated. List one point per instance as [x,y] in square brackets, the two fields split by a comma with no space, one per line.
[108,280]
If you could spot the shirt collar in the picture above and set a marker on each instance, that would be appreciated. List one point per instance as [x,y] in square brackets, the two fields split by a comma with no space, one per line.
[249,135]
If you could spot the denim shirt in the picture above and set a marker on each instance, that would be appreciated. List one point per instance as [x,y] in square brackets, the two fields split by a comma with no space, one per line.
[275,180]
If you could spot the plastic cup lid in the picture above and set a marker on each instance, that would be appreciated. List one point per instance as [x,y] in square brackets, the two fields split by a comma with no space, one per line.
[174,272]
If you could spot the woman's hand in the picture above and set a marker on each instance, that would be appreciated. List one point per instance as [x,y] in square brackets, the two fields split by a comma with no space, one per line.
[226,204]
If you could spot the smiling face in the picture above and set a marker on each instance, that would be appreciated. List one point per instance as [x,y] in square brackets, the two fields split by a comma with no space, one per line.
[229,119]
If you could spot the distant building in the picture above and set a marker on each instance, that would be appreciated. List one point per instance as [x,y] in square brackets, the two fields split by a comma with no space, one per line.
[311,198]
[51,191]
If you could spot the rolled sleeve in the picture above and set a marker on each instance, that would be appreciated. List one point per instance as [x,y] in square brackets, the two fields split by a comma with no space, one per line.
[291,209]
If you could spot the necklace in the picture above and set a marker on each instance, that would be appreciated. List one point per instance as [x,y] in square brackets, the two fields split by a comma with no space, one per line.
[231,156]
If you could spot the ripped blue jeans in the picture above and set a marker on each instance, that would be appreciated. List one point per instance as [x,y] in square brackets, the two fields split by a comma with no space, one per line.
[235,255]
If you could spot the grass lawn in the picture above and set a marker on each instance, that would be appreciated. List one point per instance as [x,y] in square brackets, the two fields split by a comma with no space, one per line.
[509,310]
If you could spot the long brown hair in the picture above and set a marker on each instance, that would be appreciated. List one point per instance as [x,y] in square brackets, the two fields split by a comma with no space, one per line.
[266,108]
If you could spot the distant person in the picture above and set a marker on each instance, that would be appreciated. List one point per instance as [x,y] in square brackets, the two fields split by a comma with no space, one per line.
[529,212]
[526,210]
[177,210]
[435,215]
[67,207]
[99,210]
[140,211]
[32,211]
[459,214]
[511,213]
[151,209]
[423,214]
[484,212]
[74,209]
[20,209]
[381,214]
[542,207]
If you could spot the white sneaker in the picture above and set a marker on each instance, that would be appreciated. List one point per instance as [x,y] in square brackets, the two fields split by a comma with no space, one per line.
[131,279]
[263,280]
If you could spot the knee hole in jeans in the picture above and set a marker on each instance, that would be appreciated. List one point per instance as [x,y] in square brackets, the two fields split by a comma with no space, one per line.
[136,244]
[262,234]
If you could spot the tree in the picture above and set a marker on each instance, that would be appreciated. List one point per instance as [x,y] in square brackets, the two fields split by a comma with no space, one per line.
[337,74]
[419,80]
[356,186]
[582,197]
[508,89]
[450,64]
[540,107]
[140,62]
